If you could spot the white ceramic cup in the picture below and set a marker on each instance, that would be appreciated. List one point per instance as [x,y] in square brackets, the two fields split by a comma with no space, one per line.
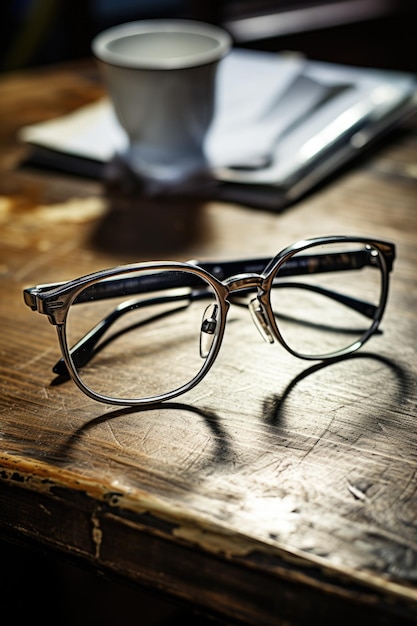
[160,75]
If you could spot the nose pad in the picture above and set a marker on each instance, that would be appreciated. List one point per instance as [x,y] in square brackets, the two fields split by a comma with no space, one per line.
[208,329]
[258,315]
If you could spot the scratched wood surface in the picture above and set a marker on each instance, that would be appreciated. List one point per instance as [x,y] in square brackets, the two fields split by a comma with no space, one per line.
[273,491]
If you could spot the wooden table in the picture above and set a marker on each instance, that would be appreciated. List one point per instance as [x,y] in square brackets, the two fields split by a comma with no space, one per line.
[273,493]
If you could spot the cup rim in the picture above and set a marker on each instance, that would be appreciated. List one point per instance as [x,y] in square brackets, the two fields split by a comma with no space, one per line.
[100,43]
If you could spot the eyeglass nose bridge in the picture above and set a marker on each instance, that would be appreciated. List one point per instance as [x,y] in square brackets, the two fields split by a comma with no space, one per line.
[256,307]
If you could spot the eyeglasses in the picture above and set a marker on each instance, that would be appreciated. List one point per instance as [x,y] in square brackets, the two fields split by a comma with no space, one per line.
[147,332]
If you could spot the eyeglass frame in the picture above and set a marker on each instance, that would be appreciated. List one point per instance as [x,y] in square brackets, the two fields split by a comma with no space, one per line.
[55,300]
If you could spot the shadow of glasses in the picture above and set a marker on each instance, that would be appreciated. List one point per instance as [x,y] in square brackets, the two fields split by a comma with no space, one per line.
[274,406]
[221,451]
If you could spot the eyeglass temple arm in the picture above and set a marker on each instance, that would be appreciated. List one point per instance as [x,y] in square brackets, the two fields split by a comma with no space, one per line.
[361,306]
[131,285]
[114,288]
[298,265]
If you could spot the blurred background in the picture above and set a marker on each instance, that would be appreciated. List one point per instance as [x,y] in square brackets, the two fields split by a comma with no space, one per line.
[373,33]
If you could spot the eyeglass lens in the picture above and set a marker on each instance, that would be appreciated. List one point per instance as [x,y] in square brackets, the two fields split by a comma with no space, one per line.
[333,303]
[147,345]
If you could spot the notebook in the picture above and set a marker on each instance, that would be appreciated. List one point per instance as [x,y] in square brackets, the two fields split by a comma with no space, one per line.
[283,124]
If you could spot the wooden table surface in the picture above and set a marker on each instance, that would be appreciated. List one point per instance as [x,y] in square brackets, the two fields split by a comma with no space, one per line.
[276,492]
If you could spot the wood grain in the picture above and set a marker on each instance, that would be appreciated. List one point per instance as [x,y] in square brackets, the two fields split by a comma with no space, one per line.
[275,489]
